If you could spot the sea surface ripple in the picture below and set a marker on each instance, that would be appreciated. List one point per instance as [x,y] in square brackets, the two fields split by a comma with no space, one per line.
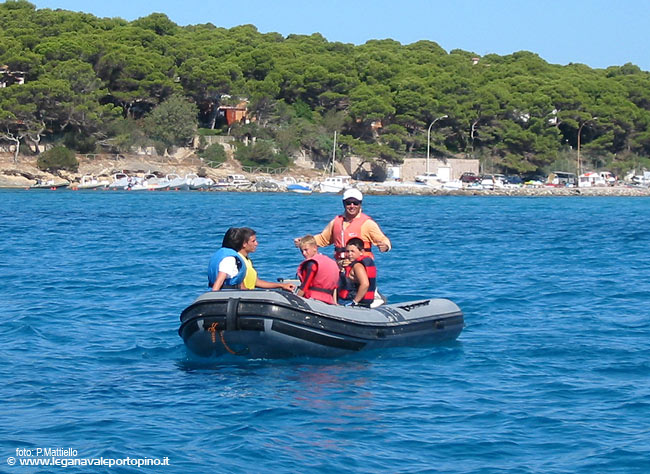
[550,374]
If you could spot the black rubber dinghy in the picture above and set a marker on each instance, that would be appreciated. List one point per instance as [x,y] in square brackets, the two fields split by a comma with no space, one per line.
[278,324]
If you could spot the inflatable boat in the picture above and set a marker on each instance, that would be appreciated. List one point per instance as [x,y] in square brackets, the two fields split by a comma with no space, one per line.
[279,324]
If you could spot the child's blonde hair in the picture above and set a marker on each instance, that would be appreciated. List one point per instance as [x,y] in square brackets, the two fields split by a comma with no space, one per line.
[308,240]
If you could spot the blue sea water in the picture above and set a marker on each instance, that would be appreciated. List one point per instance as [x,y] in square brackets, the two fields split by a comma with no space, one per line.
[550,374]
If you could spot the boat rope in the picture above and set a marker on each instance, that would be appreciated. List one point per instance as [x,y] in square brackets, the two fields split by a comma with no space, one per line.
[223,341]
[213,331]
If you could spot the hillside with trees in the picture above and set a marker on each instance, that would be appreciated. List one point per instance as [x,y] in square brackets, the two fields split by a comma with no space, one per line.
[96,84]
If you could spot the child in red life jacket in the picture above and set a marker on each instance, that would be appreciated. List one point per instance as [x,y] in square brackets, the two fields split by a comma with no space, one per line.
[358,285]
[318,274]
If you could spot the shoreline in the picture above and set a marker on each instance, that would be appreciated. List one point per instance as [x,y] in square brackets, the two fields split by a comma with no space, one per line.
[545,191]
[541,191]
[22,175]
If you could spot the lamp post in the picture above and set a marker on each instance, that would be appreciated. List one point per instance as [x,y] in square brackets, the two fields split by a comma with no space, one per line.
[429,137]
[579,132]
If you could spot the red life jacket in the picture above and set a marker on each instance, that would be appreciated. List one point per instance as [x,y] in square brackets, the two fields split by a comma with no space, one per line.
[346,290]
[341,236]
[325,280]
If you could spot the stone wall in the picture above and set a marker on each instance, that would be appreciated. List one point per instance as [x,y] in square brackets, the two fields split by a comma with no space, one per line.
[457,166]
[303,160]
[226,141]
[411,167]
[212,139]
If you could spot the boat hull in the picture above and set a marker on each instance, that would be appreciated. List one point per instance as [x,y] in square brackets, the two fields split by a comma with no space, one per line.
[49,186]
[300,189]
[179,187]
[276,324]
[82,187]
[330,189]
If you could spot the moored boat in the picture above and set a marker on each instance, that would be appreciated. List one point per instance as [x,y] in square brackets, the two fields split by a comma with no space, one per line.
[300,188]
[198,183]
[431,179]
[150,182]
[334,184]
[91,182]
[238,181]
[278,324]
[176,183]
[121,181]
[49,184]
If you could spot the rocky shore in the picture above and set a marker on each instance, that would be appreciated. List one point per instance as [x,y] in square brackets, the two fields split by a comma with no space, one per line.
[383,189]
[25,174]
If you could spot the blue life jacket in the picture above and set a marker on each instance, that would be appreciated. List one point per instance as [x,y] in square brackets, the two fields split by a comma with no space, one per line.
[213,268]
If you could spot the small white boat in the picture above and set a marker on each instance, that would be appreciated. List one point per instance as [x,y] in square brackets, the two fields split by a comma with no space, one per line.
[453,185]
[177,183]
[334,184]
[233,181]
[121,181]
[49,184]
[151,182]
[197,183]
[300,188]
[91,182]
[157,184]
[221,185]
[431,179]
[237,181]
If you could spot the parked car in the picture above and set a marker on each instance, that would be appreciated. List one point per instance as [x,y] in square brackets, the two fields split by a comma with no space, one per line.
[512,181]
[469,177]
[427,178]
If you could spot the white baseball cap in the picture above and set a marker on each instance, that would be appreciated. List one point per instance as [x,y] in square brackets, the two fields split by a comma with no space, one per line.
[353,193]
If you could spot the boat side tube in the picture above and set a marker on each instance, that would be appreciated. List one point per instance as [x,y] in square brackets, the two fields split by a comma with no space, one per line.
[270,323]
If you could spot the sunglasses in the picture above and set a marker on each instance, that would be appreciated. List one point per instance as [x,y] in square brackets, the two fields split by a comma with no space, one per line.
[347,202]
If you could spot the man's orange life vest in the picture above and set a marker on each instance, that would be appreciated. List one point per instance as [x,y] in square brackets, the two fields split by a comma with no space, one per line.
[341,236]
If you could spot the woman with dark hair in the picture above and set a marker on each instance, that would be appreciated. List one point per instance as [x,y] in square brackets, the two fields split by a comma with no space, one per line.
[227,268]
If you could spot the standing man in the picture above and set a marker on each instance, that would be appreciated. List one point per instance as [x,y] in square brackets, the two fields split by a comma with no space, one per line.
[352,223]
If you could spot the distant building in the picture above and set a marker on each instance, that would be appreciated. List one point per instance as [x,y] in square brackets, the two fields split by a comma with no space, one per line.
[234,113]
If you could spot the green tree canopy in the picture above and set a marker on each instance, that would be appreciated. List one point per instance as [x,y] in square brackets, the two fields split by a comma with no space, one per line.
[95,79]
[173,122]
